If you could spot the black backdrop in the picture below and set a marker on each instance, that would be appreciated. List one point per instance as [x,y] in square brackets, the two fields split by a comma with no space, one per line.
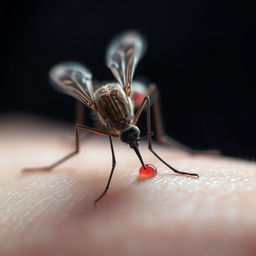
[201,54]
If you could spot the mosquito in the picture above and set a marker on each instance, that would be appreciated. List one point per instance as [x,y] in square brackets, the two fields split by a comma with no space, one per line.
[113,101]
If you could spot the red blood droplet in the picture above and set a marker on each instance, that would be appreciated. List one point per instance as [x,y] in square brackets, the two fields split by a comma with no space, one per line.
[149,172]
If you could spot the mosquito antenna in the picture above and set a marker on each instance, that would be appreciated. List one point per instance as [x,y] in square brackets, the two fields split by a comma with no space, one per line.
[136,149]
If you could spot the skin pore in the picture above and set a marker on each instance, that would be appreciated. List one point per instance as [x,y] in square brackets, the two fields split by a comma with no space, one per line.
[52,213]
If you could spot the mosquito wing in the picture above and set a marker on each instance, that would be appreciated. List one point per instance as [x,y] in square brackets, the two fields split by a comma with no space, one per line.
[75,80]
[123,55]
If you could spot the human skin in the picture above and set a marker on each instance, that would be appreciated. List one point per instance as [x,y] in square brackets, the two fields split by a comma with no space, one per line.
[52,213]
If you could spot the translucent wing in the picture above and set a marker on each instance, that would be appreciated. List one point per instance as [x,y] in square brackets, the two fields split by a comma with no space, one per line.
[122,56]
[75,80]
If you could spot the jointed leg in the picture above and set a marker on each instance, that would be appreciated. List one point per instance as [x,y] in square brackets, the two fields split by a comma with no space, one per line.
[146,102]
[161,136]
[113,167]
[81,118]
[80,113]
[160,131]
[78,127]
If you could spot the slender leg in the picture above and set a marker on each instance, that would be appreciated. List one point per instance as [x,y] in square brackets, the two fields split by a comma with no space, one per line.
[78,127]
[113,167]
[81,119]
[161,135]
[160,131]
[80,113]
[146,102]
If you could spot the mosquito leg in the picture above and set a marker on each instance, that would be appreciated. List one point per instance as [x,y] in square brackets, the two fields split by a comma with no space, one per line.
[78,127]
[80,113]
[146,102]
[112,169]
[161,136]
[81,119]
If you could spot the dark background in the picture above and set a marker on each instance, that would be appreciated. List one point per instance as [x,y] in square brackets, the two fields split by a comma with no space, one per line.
[201,54]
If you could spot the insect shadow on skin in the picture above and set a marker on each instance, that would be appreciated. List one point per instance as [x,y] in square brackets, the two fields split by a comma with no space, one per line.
[113,103]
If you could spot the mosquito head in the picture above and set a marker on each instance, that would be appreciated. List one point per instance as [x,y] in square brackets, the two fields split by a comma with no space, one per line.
[130,135]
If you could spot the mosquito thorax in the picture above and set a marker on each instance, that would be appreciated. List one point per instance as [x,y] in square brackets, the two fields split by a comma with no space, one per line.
[130,135]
